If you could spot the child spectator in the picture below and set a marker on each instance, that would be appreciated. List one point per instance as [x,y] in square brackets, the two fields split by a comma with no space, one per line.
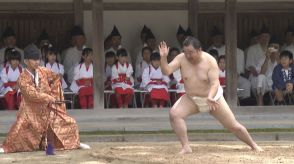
[176,81]
[9,76]
[122,80]
[83,79]
[52,63]
[222,70]
[146,53]
[155,82]
[110,59]
[6,61]
[283,76]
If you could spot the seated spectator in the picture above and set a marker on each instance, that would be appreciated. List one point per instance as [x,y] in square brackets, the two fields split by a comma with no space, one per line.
[282,77]
[213,53]
[110,59]
[9,76]
[122,80]
[222,70]
[155,82]
[6,61]
[83,79]
[146,53]
[53,64]
[176,81]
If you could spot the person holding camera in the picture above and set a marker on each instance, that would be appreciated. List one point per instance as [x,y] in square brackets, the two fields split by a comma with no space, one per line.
[260,63]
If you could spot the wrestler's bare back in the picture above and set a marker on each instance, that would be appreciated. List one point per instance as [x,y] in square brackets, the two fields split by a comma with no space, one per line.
[195,75]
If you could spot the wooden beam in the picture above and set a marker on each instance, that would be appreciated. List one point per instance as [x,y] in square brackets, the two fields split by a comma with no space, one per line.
[193,9]
[98,48]
[204,7]
[231,51]
[78,6]
[143,6]
[35,7]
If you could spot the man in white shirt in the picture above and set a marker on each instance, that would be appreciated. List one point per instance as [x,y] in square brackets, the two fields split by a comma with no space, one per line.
[42,40]
[116,43]
[138,50]
[289,37]
[72,55]
[256,56]
[10,40]
[150,42]
[180,37]
[217,44]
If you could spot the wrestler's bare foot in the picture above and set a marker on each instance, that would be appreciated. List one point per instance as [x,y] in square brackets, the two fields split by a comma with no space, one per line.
[186,150]
[257,149]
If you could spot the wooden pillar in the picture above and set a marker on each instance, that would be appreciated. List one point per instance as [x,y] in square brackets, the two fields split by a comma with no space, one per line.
[193,10]
[231,51]
[98,51]
[79,12]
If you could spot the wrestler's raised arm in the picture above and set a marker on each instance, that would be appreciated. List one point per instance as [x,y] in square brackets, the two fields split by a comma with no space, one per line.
[166,68]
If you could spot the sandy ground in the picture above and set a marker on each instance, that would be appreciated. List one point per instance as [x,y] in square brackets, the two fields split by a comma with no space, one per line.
[162,152]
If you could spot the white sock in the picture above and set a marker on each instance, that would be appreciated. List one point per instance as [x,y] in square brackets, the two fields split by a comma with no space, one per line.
[84,146]
[1,150]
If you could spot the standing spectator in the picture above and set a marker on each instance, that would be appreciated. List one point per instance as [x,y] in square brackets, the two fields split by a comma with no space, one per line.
[289,45]
[116,39]
[150,42]
[138,50]
[42,40]
[72,55]
[83,79]
[180,37]
[288,38]
[9,38]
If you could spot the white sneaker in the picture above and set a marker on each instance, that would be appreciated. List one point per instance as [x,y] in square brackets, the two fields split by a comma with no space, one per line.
[1,150]
[84,146]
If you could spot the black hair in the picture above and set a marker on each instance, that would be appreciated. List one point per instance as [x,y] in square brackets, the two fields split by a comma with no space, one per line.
[155,56]
[286,53]
[12,54]
[220,58]
[85,53]
[146,48]
[214,53]
[49,49]
[190,40]
[121,52]
[173,49]
[109,54]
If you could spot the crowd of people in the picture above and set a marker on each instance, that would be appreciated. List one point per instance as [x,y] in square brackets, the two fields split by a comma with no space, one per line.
[264,67]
